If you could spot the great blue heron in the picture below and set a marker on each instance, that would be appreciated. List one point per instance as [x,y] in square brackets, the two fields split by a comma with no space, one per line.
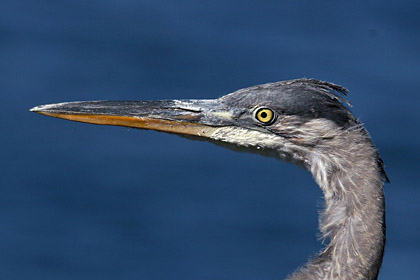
[302,121]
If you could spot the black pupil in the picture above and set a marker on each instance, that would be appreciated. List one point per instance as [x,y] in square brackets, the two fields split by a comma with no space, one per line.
[263,115]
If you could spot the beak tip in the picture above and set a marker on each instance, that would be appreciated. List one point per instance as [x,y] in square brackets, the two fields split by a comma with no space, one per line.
[34,109]
[43,108]
[37,109]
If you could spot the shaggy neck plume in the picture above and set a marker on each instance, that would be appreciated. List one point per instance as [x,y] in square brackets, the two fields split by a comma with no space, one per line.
[354,217]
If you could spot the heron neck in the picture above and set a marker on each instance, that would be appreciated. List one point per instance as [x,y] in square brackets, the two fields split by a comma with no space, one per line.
[354,216]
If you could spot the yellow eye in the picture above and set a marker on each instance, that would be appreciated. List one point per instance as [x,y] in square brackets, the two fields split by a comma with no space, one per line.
[265,115]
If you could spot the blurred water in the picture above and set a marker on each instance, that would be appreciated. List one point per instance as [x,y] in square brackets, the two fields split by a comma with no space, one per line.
[88,202]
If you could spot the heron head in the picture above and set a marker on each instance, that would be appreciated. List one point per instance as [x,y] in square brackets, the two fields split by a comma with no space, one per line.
[286,119]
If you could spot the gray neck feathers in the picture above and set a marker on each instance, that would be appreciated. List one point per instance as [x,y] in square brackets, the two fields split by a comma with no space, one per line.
[347,170]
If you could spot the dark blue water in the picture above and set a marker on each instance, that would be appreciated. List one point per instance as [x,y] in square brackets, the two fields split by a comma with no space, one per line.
[80,201]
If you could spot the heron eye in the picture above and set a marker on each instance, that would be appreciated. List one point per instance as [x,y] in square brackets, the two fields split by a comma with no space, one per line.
[265,116]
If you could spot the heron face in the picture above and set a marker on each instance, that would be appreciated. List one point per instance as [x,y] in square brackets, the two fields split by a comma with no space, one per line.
[284,119]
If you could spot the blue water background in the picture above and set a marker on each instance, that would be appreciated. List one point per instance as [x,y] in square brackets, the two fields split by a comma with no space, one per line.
[80,201]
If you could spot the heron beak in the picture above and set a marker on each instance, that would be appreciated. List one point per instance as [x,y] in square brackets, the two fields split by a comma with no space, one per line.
[185,117]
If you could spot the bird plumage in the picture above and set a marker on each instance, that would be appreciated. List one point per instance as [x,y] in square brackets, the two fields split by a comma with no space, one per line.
[306,122]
